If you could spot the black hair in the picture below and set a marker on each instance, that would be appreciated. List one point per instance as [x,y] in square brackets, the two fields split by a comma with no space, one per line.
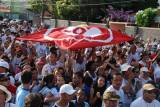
[88,65]
[48,79]
[26,77]
[53,49]
[158,60]
[116,74]
[33,100]
[79,74]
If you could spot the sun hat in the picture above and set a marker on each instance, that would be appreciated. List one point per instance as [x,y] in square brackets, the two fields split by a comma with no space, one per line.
[4,64]
[8,93]
[148,87]
[110,95]
[67,88]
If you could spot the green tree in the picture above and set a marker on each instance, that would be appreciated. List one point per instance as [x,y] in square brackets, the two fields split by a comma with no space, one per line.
[36,5]
[67,9]
[145,18]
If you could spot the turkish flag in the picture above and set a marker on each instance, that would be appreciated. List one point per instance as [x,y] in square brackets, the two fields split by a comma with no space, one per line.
[40,36]
[78,37]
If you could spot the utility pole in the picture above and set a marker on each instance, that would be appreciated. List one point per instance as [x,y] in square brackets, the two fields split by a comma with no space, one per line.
[42,11]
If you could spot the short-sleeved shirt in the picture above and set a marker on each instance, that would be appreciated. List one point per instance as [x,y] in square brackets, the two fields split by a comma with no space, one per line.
[48,68]
[140,102]
[21,94]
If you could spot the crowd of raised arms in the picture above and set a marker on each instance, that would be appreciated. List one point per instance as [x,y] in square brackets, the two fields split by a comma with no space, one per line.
[34,74]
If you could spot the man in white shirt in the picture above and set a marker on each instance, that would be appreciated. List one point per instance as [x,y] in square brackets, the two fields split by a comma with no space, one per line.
[116,86]
[51,65]
[148,98]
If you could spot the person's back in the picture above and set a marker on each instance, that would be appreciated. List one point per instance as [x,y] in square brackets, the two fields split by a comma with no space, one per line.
[24,90]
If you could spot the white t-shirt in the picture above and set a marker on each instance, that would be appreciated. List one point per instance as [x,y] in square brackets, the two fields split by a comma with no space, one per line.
[118,92]
[139,102]
[48,68]
[78,67]
[135,57]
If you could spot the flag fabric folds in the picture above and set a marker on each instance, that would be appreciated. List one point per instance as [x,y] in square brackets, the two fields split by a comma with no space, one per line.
[78,37]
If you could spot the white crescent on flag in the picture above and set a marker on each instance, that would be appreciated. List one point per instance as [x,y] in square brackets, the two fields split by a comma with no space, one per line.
[46,35]
[87,34]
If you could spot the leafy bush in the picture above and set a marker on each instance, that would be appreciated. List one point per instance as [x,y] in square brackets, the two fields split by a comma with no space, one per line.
[146,17]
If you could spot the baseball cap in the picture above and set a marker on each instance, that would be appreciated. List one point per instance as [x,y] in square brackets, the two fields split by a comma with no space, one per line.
[125,67]
[4,64]
[148,87]
[144,69]
[67,88]
[110,95]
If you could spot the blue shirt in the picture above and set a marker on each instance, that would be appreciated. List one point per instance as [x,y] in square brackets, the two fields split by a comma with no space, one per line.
[21,94]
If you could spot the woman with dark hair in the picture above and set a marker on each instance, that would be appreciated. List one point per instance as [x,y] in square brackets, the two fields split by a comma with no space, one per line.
[33,100]
[97,92]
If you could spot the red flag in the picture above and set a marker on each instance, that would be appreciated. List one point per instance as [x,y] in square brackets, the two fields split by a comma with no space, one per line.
[78,37]
[40,36]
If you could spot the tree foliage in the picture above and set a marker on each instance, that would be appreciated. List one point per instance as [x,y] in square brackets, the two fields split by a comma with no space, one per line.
[75,9]
[67,9]
[146,17]
[36,5]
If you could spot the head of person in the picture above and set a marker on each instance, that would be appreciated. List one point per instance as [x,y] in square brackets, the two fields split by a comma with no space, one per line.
[145,55]
[52,58]
[4,79]
[60,81]
[111,99]
[59,71]
[117,80]
[91,66]
[66,92]
[133,49]
[80,96]
[126,70]
[101,81]
[26,77]
[77,78]
[49,80]
[149,92]
[5,58]
[39,64]
[4,66]
[34,73]
[158,60]
[33,100]
[144,72]
[5,95]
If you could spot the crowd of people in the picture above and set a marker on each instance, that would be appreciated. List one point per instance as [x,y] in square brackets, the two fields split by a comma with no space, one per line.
[36,74]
